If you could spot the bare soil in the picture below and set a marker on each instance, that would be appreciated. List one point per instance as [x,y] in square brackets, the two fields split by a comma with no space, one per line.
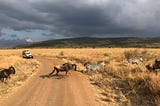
[44,90]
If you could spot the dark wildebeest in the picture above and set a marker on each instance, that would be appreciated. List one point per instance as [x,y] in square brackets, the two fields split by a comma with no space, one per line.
[154,66]
[64,67]
[5,73]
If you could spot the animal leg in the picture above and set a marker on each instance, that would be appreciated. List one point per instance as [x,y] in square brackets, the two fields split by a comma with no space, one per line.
[84,70]
[52,71]
[57,72]
[66,72]
[156,71]
[5,80]
[2,79]
[75,67]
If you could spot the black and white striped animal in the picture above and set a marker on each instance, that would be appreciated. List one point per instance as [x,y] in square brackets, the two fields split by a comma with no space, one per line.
[93,67]
[154,66]
[135,60]
[5,73]
[64,67]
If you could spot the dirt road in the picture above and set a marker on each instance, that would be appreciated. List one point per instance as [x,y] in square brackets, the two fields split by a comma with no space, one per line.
[42,90]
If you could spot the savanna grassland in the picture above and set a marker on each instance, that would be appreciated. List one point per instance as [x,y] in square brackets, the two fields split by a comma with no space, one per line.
[122,84]
[24,69]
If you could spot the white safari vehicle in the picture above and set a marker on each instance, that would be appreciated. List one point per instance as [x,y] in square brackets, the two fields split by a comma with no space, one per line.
[26,54]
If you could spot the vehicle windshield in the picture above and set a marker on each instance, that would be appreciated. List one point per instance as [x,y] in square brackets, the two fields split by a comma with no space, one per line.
[26,52]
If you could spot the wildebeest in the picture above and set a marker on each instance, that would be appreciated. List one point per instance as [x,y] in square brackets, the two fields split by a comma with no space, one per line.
[135,60]
[5,73]
[154,66]
[93,67]
[64,67]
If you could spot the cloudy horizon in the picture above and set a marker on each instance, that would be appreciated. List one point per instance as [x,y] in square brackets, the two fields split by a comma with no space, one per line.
[39,20]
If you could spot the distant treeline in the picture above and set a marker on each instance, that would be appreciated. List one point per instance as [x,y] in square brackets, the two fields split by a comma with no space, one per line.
[83,42]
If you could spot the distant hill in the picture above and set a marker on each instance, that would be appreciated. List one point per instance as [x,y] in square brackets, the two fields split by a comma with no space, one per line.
[4,43]
[96,42]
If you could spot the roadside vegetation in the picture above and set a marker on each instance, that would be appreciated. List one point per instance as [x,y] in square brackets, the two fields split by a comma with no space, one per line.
[24,69]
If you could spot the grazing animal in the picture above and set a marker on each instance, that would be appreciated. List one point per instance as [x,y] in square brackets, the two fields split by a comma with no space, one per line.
[135,60]
[64,67]
[154,66]
[93,67]
[5,73]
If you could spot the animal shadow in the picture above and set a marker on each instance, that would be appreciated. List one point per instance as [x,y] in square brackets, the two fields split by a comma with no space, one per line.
[54,76]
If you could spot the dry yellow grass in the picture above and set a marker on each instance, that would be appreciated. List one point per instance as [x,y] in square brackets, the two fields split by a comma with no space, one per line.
[24,68]
[123,83]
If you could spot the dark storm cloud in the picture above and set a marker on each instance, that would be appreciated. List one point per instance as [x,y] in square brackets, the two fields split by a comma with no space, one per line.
[13,36]
[77,18]
[20,16]
[1,33]
[82,17]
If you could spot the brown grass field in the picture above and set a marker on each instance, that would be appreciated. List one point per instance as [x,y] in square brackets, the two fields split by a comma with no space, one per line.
[123,84]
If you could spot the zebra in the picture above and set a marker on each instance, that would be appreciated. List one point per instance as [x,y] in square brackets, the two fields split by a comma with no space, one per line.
[135,60]
[93,67]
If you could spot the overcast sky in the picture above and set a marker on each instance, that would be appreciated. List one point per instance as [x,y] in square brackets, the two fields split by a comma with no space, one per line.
[48,19]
